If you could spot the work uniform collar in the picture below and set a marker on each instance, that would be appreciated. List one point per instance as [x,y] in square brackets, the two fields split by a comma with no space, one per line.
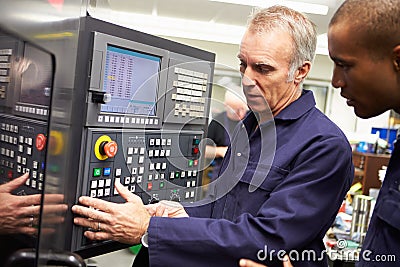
[297,108]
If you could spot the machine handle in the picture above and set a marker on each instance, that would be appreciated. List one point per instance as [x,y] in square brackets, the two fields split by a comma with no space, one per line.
[26,258]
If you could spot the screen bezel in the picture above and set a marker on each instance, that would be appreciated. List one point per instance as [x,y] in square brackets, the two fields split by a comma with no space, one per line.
[101,42]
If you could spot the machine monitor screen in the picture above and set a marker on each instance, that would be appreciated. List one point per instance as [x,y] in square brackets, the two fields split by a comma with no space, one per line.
[36,68]
[131,78]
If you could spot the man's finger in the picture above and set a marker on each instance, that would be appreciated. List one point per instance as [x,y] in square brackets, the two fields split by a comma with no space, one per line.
[98,235]
[94,215]
[96,203]
[125,193]
[14,184]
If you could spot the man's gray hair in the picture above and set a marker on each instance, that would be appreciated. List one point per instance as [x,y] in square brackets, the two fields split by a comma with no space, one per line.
[300,28]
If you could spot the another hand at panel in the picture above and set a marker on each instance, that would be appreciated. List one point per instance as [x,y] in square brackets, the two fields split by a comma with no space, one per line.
[125,223]
[166,208]
[18,214]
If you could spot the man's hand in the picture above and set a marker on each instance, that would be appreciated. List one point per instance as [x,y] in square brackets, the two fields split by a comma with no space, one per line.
[166,208]
[125,223]
[18,214]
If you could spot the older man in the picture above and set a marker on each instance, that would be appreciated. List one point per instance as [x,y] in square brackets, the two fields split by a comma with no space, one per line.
[264,203]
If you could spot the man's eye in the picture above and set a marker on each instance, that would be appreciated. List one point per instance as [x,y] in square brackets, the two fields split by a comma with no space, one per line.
[342,65]
[263,69]
[242,66]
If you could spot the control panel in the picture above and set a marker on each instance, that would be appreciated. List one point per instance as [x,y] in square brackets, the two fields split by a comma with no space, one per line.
[23,144]
[155,165]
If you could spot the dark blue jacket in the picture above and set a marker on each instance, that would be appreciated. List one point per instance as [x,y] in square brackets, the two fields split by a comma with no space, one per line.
[280,188]
[382,244]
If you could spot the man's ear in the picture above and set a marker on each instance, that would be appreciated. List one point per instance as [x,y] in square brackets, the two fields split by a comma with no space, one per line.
[396,58]
[302,72]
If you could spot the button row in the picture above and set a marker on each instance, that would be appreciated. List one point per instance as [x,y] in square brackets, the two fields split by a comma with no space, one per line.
[9,139]
[2,91]
[187,98]
[189,92]
[189,194]
[126,120]
[32,110]
[190,86]
[191,73]
[160,142]
[9,127]
[136,150]
[6,163]
[159,153]
[182,174]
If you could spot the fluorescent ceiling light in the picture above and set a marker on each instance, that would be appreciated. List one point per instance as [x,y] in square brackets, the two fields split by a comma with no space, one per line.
[174,27]
[181,28]
[299,6]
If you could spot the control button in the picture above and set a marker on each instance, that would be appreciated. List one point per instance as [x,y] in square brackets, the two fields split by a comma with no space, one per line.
[196,141]
[105,148]
[109,148]
[93,184]
[149,186]
[106,171]
[107,192]
[196,162]
[141,170]
[101,183]
[96,172]
[162,185]
[118,172]
[190,163]
[195,150]
[40,142]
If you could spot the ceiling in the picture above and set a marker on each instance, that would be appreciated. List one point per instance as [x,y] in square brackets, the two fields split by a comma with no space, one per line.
[208,11]
[146,15]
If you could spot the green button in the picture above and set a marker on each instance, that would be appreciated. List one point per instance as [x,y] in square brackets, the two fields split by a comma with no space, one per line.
[54,168]
[190,162]
[177,174]
[161,185]
[96,172]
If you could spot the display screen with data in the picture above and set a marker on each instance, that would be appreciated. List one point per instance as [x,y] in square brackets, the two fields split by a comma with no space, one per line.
[131,78]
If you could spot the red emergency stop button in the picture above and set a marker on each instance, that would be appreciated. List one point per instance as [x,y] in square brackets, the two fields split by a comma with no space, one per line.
[195,150]
[110,149]
[40,142]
